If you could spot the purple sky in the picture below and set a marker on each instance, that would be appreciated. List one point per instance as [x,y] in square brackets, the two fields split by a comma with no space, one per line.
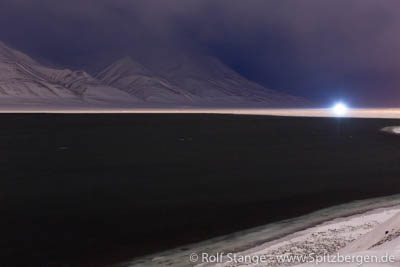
[323,50]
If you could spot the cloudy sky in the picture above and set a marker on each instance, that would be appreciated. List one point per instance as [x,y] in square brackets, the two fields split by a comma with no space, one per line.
[323,50]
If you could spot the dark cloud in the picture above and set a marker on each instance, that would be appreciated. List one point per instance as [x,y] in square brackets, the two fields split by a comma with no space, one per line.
[319,49]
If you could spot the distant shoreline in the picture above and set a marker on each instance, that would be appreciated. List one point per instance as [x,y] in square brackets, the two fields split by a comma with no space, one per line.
[372,113]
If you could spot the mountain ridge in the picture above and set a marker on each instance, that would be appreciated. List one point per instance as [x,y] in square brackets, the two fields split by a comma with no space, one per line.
[201,79]
[183,80]
[23,77]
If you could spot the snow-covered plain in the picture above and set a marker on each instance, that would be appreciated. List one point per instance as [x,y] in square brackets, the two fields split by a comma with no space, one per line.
[323,232]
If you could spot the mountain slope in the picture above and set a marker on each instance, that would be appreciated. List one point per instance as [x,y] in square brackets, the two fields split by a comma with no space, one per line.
[191,79]
[19,78]
[22,77]
[140,82]
[208,78]
[175,80]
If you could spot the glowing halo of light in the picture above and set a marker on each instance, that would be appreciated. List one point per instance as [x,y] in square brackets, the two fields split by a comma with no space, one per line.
[340,109]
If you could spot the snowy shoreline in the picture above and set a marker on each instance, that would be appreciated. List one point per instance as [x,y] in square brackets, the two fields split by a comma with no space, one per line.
[341,224]
[336,236]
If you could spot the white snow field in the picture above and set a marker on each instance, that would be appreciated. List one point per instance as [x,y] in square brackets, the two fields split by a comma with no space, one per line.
[324,232]
[378,247]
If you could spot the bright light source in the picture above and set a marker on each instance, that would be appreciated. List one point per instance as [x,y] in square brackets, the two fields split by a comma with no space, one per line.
[340,109]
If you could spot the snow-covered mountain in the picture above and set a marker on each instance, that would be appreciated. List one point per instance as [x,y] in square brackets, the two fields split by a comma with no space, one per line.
[208,77]
[191,79]
[23,77]
[174,80]
[137,80]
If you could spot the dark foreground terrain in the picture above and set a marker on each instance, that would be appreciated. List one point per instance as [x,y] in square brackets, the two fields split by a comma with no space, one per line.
[89,190]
